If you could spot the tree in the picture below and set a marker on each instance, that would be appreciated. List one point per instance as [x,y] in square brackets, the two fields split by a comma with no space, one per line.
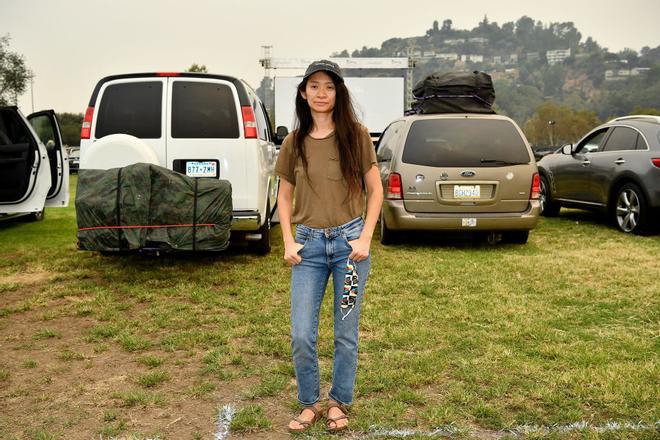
[555,125]
[646,111]
[629,55]
[70,125]
[14,74]
[201,68]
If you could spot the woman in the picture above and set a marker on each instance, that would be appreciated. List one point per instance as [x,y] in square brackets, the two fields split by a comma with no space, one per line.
[328,160]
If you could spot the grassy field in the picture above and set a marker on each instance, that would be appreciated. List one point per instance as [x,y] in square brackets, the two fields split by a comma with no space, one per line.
[465,338]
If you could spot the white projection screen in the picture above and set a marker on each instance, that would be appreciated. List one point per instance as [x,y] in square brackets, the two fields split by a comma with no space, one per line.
[378,101]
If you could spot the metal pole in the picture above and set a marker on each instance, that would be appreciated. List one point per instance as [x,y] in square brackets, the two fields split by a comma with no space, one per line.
[32,90]
[552,132]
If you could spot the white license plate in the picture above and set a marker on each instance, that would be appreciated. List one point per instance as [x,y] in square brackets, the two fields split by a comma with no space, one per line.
[467,191]
[469,222]
[201,169]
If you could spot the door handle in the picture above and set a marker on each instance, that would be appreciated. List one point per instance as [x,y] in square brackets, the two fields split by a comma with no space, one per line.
[620,161]
[586,162]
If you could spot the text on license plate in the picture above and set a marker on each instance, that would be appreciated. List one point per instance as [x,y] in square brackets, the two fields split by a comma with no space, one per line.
[201,169]
[467,191]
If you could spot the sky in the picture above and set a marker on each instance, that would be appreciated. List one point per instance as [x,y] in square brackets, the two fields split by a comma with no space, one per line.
[71,44]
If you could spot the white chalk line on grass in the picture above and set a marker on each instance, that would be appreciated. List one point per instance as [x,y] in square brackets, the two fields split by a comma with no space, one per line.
[521,430]
[225,415]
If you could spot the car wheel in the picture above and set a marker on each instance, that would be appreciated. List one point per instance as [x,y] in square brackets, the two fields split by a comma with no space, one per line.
[262,246]
[35,216]
[548,207]
[387,236]
[515,237]
[630,211]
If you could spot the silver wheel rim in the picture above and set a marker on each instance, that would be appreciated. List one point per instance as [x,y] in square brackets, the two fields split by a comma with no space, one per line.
[627,210]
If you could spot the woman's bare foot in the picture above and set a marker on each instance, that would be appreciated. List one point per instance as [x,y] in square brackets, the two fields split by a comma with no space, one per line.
[337,417]
[306,415]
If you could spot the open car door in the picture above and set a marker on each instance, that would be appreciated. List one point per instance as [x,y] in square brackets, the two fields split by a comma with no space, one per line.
[47,129]
[24,169]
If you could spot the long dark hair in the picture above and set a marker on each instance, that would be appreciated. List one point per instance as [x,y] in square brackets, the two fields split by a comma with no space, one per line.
[347,132]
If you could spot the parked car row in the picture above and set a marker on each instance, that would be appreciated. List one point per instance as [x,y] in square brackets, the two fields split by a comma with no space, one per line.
[450,172]
[74,159]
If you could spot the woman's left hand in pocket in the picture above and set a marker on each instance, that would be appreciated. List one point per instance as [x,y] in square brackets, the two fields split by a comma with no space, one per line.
[360,248]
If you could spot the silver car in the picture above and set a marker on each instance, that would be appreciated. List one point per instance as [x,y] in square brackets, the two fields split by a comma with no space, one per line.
[615,168]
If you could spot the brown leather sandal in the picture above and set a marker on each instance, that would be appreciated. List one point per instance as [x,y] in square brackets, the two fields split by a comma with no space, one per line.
[334,420]
[306,424]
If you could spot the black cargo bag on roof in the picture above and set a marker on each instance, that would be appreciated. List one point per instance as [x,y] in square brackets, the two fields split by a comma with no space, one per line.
[454,92]
[144,206]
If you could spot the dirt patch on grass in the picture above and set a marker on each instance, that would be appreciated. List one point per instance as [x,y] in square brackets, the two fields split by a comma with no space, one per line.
[60,383]
[27,278]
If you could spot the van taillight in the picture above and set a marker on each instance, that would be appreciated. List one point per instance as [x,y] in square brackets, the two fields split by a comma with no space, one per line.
[168,74]
[394,191]
[86,130]
[249,123]
[536,186]
[656,161]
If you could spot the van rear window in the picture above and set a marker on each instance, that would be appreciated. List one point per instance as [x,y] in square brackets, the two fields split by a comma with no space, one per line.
[203,110]
[131,108]
[464,143]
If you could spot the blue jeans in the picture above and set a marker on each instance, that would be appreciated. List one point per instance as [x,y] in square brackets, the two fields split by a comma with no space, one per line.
[325,252]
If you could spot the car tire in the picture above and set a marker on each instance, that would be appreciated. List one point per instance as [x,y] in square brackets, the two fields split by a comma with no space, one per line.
[629,209]
[515,237]
[262,246]
[35,216]
[548,207]
[387,236]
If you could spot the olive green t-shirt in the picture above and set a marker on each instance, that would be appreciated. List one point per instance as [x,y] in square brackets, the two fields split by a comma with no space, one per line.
[323,201]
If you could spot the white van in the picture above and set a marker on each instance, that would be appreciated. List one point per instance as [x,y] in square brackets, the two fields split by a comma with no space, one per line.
[201,125]
[34,171]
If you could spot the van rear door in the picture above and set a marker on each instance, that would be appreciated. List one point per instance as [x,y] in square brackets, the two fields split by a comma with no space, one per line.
[465,164]
[134,106]
[205,135]
[47,129]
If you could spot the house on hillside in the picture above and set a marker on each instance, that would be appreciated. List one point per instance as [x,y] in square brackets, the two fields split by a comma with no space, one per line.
[557,56]
[473,58]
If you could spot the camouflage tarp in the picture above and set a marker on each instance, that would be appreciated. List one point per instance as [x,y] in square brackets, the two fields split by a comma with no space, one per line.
[145,206]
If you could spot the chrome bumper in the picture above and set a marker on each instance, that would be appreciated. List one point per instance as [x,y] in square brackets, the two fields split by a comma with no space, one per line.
[245,220]
[398,218]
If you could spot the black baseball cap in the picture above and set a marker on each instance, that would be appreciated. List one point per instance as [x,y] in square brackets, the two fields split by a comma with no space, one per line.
[325,66]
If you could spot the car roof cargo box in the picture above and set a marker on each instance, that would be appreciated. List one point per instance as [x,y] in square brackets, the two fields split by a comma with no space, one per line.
[148,207]
[454,92]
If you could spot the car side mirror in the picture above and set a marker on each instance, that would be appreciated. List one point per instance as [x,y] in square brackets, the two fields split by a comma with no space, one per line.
[280,134]
[567,149]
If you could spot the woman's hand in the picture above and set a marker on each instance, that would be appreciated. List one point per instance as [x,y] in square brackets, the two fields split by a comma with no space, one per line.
[360,250]
[291,249]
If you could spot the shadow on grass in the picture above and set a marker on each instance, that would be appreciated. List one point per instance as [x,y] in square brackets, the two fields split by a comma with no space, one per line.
[596,219]
[238,254]
[449,239]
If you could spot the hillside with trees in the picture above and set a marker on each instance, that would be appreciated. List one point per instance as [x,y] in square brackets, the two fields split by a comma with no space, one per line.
[536,68]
